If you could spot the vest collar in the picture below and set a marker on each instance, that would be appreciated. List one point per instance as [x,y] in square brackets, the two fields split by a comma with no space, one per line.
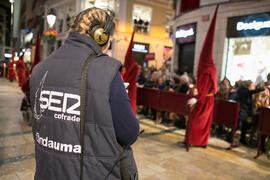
[86,41]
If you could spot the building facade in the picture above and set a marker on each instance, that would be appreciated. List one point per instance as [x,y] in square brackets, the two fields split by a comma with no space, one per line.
[31,24]
[151,19]
[241,44]
[2,27]
[5,28]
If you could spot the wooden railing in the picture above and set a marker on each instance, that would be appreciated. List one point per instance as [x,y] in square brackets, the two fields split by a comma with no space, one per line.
[264,127]
[224,113]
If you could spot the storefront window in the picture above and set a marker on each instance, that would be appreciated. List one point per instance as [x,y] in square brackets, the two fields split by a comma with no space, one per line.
[248,59]
[139,51]
[248,51]
[142,16]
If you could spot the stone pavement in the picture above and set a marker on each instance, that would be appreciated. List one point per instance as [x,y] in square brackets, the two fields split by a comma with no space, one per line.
[158,155]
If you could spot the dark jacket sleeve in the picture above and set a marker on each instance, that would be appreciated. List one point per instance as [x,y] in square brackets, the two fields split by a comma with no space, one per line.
[256,91]
[125,123]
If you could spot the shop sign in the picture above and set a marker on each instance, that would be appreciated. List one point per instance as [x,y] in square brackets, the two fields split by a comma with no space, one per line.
[140,47]
[149,57]
[181,33]
[252,25]
[185,33]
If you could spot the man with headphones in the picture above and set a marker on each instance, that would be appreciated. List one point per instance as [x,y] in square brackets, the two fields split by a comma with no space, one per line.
[83,124]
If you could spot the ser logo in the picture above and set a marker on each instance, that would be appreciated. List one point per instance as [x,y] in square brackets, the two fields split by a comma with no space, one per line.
[56,101]
[37,110]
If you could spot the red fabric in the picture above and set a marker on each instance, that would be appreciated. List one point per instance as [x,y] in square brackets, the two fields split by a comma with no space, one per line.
[201,115]
[11,68]
[37,58]
[130,74]
[20,68]
[26,83]
[189,5]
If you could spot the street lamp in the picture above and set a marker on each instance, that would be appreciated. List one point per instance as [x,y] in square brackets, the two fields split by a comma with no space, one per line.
[51,19]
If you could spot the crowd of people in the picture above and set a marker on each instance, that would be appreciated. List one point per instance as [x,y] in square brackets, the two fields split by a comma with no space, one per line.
[250,96]
[162,79]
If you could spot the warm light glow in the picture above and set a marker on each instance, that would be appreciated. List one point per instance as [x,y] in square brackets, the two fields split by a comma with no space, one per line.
[28,37]
[27,55]
[51,20]
[16,58]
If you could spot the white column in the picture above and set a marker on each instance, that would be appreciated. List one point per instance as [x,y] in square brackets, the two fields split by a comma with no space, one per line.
[78,6]
[121,15]
[178,7]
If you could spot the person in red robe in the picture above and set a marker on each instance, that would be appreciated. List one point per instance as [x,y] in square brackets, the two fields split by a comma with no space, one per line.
[20,68]
[200,118]
[130,74]
[37,58]
[11,67]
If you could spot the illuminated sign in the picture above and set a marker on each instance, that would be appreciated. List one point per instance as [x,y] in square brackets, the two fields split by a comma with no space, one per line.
[256,25]
[251,25]
[139,48]
[7,55]
[181,33]
[185,33]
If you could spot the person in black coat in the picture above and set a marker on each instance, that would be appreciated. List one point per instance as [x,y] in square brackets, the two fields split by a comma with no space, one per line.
[244,97]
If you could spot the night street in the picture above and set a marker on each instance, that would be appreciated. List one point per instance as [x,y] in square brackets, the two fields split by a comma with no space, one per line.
[185,84]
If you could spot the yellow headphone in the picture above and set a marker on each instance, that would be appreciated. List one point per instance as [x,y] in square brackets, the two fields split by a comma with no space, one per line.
[100,33]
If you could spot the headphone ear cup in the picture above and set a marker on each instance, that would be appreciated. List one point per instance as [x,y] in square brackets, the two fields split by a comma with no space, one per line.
[99,35]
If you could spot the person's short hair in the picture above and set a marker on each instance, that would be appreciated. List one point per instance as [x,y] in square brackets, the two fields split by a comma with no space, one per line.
[246,83]
[89,18]
[268,76]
